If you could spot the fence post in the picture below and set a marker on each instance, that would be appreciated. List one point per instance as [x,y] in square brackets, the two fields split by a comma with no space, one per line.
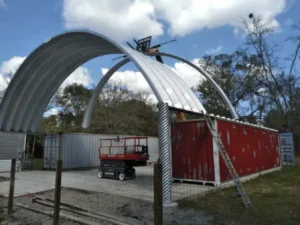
[158,203]
[58,181]
[11,186]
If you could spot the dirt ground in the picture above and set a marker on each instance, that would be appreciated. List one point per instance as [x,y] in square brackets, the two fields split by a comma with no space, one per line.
[129,210]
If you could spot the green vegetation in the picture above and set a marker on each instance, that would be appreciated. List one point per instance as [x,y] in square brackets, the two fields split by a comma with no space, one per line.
[37,164]
[275,200]
[2,216]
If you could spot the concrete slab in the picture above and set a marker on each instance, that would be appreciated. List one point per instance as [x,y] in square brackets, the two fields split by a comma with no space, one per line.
[31,182]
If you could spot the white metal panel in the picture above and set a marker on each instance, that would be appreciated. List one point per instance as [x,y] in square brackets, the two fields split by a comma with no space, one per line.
[51,146]
[48,66]
[287,149]
[11,145]
[81,150]
[216,157]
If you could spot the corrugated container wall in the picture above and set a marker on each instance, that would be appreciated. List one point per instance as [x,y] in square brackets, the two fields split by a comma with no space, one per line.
[195,154]
[81,150]
[251,150]
[287,149]
[11,145]
[192,155]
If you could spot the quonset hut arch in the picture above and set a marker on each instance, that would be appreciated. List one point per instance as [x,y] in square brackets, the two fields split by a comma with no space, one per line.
[107,76]
[43,71]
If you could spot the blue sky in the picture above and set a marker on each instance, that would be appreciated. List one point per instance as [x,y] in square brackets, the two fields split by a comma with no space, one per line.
[207,27]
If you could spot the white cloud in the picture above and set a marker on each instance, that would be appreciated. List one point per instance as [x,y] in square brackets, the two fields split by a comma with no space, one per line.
[8,69]
[214,50]
[135,18]
[187,73]
[11,65]
[236,31]
[2,3]
[80,76]
[3,82]
[52,111]
[135,81]
[121,19]
[132,79]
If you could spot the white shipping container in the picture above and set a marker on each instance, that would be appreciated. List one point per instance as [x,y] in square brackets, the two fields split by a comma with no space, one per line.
[5,165]
[12,145]
[82,150]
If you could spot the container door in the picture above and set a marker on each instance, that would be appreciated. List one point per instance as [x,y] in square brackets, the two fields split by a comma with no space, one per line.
[50,151]
[287,149]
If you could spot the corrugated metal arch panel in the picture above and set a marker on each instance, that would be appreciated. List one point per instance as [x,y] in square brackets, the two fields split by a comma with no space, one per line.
[184,92]
[49,65]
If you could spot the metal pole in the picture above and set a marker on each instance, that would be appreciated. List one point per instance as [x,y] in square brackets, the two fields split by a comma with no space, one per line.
[11,186]
[158,203]
[165,151]
[58,182]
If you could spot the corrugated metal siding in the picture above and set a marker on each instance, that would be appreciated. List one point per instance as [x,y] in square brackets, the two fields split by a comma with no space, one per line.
[287,149]
[50,151]
[5,165]
[153,146]
[250,149]
[192,155]
[11,145]
[81,150]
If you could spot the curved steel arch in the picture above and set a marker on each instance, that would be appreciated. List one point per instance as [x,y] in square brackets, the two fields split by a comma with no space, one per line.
[207,76]
[43,71]
[97,91]
[107,76]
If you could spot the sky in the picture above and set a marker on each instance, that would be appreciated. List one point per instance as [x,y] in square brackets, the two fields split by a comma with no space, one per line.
[199,26]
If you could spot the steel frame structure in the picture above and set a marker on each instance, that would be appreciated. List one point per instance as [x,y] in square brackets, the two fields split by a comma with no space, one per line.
[44,70]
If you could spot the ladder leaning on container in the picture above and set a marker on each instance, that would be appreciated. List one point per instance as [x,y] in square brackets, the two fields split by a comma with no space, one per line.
[225,156]
[228,162]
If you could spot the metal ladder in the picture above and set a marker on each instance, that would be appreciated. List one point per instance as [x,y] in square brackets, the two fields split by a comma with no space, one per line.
[228,162]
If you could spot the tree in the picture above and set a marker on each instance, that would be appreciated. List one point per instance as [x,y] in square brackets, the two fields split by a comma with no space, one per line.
[277,75]
[117,111]
[73,103]
[120,111]
[235,73]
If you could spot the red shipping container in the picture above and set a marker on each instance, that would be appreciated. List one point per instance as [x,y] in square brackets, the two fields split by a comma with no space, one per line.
[195,156]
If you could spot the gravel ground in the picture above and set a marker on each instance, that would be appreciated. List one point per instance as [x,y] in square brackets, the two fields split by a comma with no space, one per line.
[129,210]
[2,179]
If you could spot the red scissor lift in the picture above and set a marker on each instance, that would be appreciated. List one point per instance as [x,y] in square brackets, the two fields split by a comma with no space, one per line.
[118,156]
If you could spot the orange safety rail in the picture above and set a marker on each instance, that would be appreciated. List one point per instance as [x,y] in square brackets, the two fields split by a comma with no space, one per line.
[117,148]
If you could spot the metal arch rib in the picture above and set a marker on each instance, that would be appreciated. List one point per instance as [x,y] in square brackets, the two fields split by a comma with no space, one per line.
[97,91]
[21,109]
[104,80]
[210,79]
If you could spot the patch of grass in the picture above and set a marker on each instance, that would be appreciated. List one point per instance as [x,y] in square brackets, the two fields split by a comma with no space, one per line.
[37,164]
[275,200]
[2,216]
